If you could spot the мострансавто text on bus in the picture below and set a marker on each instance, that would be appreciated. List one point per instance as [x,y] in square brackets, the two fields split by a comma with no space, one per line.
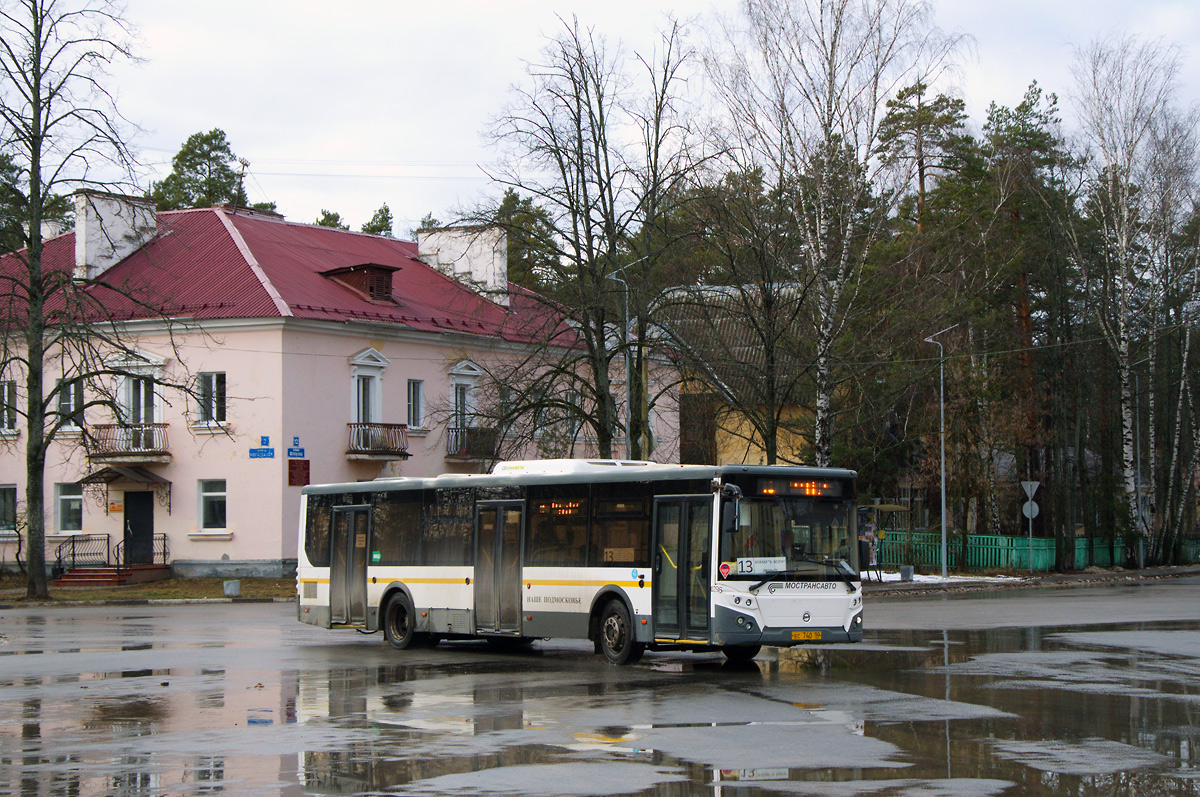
[631,555]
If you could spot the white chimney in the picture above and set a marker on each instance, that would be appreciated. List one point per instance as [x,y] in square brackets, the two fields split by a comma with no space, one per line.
[475,255]
[109,228]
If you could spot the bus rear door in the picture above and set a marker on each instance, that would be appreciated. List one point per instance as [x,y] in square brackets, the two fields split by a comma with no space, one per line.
[683,538]
[498,566]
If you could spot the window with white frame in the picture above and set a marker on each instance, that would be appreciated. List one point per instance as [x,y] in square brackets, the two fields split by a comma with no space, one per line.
[212,505]
[463,378]
[462,405]
[70,403]
[69,500]
[8,509]
[416,404]
[139,399]
[366,386]
[366,377]
[210,404]
[8,406]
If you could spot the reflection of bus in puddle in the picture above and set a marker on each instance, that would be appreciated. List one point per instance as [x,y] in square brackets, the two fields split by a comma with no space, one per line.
[742,775]
[855,724]
[392,713]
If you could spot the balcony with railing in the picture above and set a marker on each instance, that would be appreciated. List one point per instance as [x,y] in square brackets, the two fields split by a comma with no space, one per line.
[129,443]
[472,443]
[377,441]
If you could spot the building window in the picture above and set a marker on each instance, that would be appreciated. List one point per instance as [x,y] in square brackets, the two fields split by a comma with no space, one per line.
[212,504]
[211,407]
[70,506]
[416,404]
[70,403]
[364,398]
[462,405]
[8,406]
[366,375]
[8,508]
[139,399]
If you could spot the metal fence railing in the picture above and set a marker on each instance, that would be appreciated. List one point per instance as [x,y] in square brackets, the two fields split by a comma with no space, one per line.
[154,551]
[995,552]
[82,550]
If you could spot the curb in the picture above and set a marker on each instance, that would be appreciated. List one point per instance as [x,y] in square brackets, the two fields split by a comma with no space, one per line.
[912,589]
[144,602]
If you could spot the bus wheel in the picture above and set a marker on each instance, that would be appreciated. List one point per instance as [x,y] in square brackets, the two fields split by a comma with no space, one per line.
[398,621]
[740,652]
[616,635]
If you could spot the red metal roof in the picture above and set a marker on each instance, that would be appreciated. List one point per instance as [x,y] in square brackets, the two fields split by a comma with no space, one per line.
[213,263]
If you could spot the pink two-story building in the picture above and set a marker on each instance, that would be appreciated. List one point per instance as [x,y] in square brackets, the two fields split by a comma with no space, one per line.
[313,355]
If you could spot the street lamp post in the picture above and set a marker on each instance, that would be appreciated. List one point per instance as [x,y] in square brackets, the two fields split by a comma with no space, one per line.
[942,413]
[625,345]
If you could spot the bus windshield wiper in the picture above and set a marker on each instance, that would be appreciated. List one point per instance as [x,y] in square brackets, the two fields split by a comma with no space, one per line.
[786,574]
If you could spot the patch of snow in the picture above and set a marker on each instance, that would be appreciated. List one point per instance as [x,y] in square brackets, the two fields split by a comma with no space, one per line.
[934,579]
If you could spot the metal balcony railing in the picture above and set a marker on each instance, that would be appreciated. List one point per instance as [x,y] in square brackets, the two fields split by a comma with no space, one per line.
[472,442]
[378,439]
[117,439]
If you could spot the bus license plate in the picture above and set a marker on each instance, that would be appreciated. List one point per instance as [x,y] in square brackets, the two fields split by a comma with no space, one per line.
[806,636]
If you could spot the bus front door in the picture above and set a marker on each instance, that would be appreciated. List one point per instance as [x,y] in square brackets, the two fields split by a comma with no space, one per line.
[498,567]
[348,565]
[683,537]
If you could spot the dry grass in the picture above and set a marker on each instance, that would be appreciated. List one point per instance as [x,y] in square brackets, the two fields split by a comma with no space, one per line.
[13,589]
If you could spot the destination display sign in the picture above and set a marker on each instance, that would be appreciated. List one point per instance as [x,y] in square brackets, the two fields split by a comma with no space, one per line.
[812,488]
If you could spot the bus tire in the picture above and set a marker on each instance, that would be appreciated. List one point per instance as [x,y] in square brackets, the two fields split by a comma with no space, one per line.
[740,653]
[616,634]
[399,621]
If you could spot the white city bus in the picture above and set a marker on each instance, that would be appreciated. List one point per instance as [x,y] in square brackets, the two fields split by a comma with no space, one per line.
[621,553]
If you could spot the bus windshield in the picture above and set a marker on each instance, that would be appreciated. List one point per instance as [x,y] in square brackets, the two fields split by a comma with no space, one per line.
[811,538]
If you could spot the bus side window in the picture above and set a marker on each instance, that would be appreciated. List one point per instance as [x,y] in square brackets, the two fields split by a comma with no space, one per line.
[557,526]
[449,526]
[397,528]
[620,526]
[316,534]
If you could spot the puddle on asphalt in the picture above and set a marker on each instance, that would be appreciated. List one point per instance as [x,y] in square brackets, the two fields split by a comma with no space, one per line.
[1007,711]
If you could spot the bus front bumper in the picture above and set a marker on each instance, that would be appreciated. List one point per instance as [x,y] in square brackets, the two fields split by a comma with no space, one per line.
[727,630]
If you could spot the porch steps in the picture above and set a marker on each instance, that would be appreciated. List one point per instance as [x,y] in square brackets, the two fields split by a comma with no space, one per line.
[111,575]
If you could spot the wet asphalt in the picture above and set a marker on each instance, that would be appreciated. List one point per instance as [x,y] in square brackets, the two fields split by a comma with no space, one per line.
[1089,690]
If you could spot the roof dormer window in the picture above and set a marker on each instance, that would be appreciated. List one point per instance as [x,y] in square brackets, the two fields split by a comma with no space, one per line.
[372,280]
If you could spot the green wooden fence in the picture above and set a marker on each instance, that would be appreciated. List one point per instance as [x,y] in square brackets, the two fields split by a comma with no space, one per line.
[984,551]
[991,552]
[1191,550]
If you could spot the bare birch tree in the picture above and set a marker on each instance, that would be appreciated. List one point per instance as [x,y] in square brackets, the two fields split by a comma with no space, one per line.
[1124,89]
[804,86]
[1169,199]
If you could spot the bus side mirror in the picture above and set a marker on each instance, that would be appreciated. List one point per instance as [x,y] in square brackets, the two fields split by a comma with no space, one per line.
[731,510]
[729,515]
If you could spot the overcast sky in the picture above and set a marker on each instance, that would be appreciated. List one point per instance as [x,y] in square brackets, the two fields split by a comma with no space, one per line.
[346,106]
